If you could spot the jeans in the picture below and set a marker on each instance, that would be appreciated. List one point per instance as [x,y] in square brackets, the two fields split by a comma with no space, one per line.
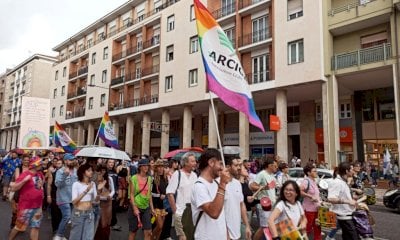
[66,216]
[348,229]
[82,227]
[97,214]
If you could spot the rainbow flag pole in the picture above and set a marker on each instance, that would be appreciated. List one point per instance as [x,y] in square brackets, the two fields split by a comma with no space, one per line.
[106,132]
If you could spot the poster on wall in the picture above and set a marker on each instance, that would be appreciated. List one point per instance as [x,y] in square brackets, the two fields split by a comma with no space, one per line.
[35,123]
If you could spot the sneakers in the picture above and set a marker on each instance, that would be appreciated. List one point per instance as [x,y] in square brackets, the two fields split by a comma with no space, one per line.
[329,238]
[116,228]
[56,237]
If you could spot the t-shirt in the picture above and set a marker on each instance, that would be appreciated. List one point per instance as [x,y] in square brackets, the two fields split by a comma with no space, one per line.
[207,228]
[9,166]
[294,211]
[233,198]
[78,188]
[338,188]
[31,193]
[313,190]
[184,191]
[262,179]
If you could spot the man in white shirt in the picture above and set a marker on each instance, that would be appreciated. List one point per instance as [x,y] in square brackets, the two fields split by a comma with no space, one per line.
[208,198]
[339,195]
[179,190]
[234,207]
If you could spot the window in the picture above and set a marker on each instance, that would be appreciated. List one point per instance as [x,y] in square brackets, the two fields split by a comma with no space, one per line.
[104,76]
[56,76]
[168,83]
[318,112]
[63,90]
[140,11]
[170,53]
[53,112]
[345,110]
[260,29]
[102,100]
[139,43]
[158,5]
[296,51]
[105,53]
[295,9]
[89,43]
[230,33]
[93,58]
[194,44]
[112,30]
[293,114]
[228,7]
[55,93]
[100,36]
[64,71]
[192,14]
[62,110]
[260,66]
[372,40]
[193,78]
[170,23]
[90,103]
[92,80]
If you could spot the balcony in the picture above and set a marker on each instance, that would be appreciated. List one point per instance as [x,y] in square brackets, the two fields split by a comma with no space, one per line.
[356,14]
[74,114]
[224,11]
[145,100]
[151,70]
[117,80]
[362,56]
[80,92]
[257,77]
[81,71]
[254,37]
[155,40]
[247,3]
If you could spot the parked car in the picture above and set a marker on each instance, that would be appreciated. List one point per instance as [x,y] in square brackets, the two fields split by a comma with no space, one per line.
[297,174]
[391,199]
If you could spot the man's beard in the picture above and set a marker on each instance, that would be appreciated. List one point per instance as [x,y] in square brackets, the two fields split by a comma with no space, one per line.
[71,165]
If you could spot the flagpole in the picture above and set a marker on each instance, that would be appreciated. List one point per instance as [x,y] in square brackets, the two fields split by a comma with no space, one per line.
[216,126]
[97,135]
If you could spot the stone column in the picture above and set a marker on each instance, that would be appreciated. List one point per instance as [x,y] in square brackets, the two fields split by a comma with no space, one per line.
[9,137]
[396,87]
[212,127]
[187,127]
[130,124]
[198,131]
[146,134]
[244,136]
[165,132]
[3,139]
[282,135]
[116,128]
[308,146]
[14,139]
[81,133]
[90,136]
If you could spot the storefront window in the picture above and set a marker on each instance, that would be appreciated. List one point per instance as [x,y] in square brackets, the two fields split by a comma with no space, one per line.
[368,106]
[293,114]
[385,104]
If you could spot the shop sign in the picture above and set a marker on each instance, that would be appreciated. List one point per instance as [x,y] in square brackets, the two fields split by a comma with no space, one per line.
[274,123]
[345,135]
[256,138]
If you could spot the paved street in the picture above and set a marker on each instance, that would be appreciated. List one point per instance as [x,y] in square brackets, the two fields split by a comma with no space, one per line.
[387,224]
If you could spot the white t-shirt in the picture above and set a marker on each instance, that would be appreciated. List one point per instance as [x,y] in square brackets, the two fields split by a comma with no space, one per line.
[184,190]
[78,188]
[338,188]
[207,228]
[233,198]
[294,211]
[262,179]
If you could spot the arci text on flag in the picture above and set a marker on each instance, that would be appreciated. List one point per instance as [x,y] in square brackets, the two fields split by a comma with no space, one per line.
[62,139]
[224,72]
[106,132]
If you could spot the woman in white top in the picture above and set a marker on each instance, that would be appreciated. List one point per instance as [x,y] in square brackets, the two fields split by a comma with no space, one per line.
[83,194]
[288,205]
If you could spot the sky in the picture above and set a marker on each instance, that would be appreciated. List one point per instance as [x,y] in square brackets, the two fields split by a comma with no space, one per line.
[28,27]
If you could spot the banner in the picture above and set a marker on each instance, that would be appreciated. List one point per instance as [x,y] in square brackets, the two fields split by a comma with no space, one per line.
[106,132]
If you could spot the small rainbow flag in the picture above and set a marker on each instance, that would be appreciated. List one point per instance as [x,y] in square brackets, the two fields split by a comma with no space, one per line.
[224,72]
[106,132]
[62,139]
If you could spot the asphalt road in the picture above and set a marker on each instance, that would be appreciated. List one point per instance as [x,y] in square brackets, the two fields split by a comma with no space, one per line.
[387,224]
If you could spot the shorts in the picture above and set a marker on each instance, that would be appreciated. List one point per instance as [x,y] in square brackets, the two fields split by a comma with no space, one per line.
[178,225]
[145,217]
[28,217]
[263,216]
[6,181]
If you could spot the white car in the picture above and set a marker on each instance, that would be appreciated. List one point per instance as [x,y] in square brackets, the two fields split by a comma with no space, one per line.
[325,176]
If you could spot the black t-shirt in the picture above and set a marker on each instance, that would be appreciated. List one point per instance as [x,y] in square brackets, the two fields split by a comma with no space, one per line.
[247,192]
[159,189]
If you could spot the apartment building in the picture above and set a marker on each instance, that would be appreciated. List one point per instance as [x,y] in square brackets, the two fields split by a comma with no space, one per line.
[3,80]
[29,78]
[327,69]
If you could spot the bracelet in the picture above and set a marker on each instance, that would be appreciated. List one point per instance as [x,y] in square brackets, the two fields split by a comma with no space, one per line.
[221,193]
[223,189]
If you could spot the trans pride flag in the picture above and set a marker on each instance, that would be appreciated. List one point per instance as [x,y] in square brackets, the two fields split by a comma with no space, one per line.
[224,72]
[62,139]
[106,132]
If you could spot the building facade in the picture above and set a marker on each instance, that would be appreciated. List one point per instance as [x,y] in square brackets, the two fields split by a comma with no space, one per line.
[29,78]
[327,69]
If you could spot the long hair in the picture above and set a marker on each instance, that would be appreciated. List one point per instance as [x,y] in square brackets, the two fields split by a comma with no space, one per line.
[158,177]
[105,175]
[296,189]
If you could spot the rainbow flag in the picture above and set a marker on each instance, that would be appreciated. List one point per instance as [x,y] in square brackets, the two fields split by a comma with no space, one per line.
[62,139]
[106,132]
[224,72]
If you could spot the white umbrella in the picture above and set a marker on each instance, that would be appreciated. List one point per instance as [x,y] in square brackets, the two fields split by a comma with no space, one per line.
[103,152]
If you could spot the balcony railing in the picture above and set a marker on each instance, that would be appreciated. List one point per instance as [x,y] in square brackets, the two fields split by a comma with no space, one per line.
[150,70]
[257,77]
[79,92]
[152,42]
[349,6]
[224,11]
[133,75]
[80,71]
[246,3]
[145,100]
[254,37]
[362,56]
[117,80]
[74,114]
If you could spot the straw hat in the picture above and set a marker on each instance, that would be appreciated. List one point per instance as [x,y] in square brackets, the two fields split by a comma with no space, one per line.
[159,162]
